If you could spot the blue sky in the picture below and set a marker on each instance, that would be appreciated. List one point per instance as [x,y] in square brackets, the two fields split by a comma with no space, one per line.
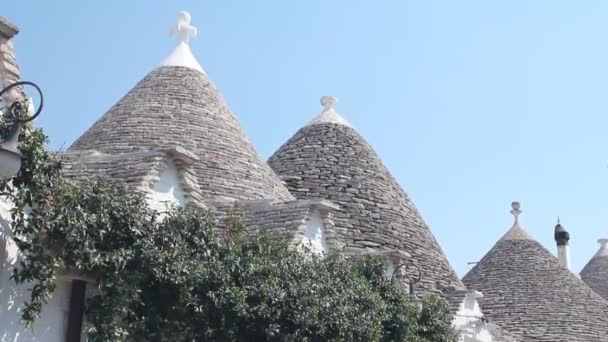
[471,104]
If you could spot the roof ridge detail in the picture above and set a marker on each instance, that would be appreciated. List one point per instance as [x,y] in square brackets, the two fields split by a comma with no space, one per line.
[7,29]
[181,54]
[517,231]
[329,114]
[603,251]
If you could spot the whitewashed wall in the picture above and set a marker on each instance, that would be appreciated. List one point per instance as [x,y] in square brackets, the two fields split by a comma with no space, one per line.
[51,326]
[467,321]
[167,191]
[314,238]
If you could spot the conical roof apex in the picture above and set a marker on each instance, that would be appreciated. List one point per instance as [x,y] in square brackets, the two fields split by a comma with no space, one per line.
[328,159]
[177,105]
[595,272]
[181,55]
[528,293]
[329,114]
[517,231]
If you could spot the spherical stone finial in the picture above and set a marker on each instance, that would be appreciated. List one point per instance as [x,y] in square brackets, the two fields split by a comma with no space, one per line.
[515,205]
[328,102]
[329,114]
[182,29]
[516,212]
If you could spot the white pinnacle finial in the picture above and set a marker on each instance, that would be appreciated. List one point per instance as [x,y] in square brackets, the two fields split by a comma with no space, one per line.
[517,232]
[516,212]
[329,114]
[328,102]
[181,54]
[182,29]
[603,248]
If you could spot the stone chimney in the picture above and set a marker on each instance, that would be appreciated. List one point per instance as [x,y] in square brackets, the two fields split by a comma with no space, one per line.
[9,71]
[563,250]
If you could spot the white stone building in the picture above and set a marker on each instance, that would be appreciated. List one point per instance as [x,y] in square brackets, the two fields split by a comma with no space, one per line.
[174,137]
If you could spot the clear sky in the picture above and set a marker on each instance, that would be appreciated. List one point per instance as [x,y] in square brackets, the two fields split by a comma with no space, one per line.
[471,104]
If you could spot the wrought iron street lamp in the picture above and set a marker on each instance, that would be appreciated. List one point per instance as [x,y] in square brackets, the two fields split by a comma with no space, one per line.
[411,280]
[18,111]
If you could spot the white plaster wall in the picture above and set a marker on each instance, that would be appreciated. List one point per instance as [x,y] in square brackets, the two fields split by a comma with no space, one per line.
[467,322]
[314,236]
[52,324]
[167,191]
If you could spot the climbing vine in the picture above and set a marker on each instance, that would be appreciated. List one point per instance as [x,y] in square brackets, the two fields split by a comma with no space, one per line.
[179,279]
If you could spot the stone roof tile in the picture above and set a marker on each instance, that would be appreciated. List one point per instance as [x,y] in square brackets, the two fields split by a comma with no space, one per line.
[138,170]
[332,161]
[595,273]
[7,28]
[528,294]
[284,221]
[128,168]
[177,106]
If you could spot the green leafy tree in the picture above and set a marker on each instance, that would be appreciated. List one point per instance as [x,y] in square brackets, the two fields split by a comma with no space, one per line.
[179,278]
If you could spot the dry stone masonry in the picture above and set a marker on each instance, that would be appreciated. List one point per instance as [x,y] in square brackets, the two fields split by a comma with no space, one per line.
[9,71]
[527,293]
[595,273]
[328,159]
[179,106]
[325,179]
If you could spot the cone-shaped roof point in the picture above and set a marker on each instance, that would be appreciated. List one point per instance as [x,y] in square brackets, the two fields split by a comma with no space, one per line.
[329,114]
[176,105]
[181,54]
[603,248]
[595,273]
[527,292]
[328,159]
[517,232]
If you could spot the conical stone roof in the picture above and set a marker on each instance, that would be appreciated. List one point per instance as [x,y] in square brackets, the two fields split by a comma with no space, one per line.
[595,273]
[527,293]
[328,159]
[177,105]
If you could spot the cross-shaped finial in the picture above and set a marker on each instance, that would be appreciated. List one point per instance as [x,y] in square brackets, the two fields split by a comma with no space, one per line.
[516,212]
[328,103]
[182,29]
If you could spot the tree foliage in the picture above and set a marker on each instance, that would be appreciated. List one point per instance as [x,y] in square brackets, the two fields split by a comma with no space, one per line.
[179,278]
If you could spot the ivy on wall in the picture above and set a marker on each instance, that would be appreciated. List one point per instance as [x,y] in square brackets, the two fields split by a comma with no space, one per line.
[179,279]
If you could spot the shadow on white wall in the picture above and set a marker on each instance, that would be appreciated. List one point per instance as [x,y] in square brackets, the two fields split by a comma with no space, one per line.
[51,326]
